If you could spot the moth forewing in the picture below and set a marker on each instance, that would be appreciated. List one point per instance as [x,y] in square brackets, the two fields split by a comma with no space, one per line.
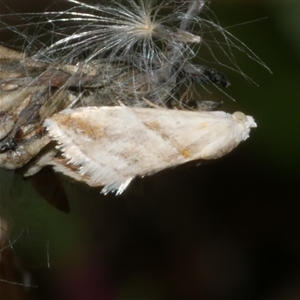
[108,146]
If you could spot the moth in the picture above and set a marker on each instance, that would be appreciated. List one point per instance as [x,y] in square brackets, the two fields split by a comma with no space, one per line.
[109,146]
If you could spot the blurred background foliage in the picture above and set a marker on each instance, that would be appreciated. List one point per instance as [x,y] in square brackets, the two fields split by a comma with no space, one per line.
[227,229]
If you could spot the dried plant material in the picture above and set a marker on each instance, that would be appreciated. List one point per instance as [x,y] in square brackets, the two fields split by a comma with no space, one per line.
[123,50]
[109,146]
[9,54]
